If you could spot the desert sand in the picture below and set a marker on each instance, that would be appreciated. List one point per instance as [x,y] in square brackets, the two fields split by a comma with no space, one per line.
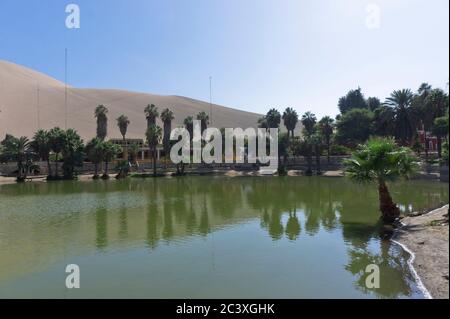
[30,100]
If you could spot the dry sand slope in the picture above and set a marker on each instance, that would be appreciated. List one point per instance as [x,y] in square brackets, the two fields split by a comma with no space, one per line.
[20,112]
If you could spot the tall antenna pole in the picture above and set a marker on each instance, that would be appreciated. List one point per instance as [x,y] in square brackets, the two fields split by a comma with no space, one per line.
[37,106]
[210,100]
[65,88]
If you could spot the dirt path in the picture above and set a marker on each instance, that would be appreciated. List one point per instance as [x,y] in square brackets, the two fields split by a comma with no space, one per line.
[426,236]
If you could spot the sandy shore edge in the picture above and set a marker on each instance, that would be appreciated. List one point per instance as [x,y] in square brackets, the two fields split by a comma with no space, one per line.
[425,238]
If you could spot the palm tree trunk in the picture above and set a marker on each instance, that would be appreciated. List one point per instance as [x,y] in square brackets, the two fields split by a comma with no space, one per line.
[154,162]
[328,152]
[106,168]
[439,146]
[95,169]
[318,169]
[19,171]
[56,164]
[389,210]
[125,149]
[49,167]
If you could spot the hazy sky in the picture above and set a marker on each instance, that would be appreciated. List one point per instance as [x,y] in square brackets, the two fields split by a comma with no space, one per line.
[261,53]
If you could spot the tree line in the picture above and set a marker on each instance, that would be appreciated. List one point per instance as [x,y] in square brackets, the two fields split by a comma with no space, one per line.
[57,145]
[401,116]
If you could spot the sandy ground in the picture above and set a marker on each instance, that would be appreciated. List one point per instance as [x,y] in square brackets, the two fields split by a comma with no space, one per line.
[19,84]
[426,236]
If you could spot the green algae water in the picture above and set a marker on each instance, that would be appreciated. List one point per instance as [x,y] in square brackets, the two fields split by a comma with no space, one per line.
[204,237]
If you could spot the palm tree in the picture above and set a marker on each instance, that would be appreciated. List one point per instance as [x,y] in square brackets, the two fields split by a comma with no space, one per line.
[381,160]
[134,150]
[262,123]
[435,106]
[151,113]
[56,140]
[109,152]
[273,118]
[122,123]
[440,130]
[102,121]
[94,151]
[290,119]
[72,152]
[153,137]
[167,118]
[309,121]
[204,120]
[326,130]
[405,122]
[18,149]
[424,89]
[383,121]
[189,126]
[41,146]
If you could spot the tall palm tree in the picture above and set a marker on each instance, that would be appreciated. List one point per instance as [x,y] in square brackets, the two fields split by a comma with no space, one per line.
[309,124]
[102,121]
[290,119]
[309,121]
[167,118]
[153,135]
[203,117]
[151,114]
[405,126]
[122,123]
[41,146]
[94,151]
[109,152]
[56,140]
[424,89]
[380,161]
[273,118]
[326,130]
[189,125]
[18,149]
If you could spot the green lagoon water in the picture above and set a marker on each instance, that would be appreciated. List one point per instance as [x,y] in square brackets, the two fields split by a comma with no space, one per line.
[204,237]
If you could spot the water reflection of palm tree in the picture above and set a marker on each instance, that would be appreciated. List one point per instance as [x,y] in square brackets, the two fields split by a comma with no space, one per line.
[292,226]
[152,225]
[204,227]
[123,223]
[167,232]
[276,228]
[396,279]
[101,223]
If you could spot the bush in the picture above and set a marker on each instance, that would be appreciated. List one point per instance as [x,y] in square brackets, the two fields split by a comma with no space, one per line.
[340,150]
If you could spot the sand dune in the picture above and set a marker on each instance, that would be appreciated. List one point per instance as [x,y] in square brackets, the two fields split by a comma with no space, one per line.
[22,90]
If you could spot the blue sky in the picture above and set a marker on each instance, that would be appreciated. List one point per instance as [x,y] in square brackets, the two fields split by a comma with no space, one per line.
[261,53]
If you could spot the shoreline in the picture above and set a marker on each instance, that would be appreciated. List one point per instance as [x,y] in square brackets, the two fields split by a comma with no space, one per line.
[425,238]
[228,173]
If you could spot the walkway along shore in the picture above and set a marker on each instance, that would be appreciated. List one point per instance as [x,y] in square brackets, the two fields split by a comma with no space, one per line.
[426,238]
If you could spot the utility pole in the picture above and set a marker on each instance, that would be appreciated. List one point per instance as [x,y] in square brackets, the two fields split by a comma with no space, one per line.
[210,100]
[37,106]
[65,88]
